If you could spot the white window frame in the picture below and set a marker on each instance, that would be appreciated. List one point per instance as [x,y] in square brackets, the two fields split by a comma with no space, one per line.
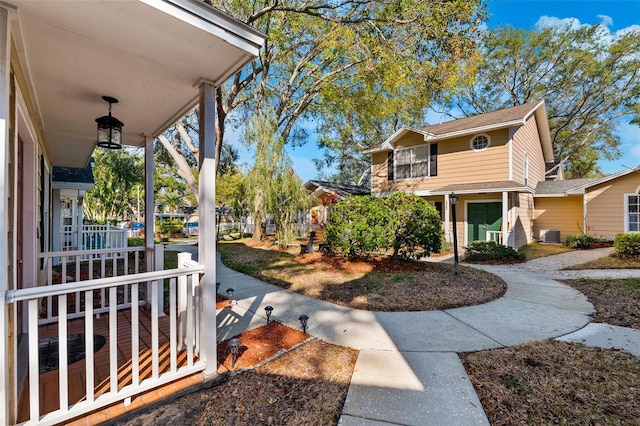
[411,150]
[627,212]
[486,136]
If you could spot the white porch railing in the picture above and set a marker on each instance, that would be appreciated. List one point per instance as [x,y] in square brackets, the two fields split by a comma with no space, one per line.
[494,236]
[92,237]
[184,279]
[82,265]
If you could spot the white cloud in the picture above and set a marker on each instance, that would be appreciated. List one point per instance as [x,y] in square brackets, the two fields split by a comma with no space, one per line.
[605,20]
[552,21]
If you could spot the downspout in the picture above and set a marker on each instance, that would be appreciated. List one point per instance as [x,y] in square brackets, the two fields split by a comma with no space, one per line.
[585,221]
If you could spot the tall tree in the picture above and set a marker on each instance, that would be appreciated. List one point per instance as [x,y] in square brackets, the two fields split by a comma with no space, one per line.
[117,175]
[384,56]
[589,79]
[272,185]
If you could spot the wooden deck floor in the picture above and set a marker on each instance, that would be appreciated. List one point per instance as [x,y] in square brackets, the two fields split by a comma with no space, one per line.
[49,381]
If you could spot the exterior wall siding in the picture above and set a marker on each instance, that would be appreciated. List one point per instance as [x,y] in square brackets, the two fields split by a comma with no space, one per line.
[522,225]
[562,213]
[526,140]
[457,162]
[606,207]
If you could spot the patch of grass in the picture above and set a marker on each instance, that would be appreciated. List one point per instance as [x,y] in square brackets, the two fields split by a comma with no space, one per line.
[617,302]
[397,278]
[536,250]
[554,382]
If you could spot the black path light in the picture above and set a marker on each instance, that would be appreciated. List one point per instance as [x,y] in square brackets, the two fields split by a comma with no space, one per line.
[234,346]
[109,128]
[303,322]
[230,295]
[268,310]
[453,198]
[217,287]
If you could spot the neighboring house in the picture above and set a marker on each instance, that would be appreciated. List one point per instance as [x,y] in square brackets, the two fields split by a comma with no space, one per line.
[600,207]
[159,58]
[492,162]
[323,194]
[69,185]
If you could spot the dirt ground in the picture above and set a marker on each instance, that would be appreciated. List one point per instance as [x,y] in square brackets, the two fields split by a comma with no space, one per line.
[377,283]
[281,377]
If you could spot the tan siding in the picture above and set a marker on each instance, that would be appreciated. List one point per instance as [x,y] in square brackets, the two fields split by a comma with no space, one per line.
[378,171]
[522,225]
[457,163]
[527,140]
[605,205]
[562,213]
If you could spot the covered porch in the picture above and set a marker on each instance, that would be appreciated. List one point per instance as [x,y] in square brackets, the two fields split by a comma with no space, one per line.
[58,60]
[492,211]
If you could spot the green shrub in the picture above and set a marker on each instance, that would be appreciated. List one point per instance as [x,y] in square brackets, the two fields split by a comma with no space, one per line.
[627,244]
[580,240]
[170,228]
[365,225]
[482,251]
[135,242]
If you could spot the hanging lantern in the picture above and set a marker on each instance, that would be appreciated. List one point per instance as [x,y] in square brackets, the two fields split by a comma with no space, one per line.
[109,128]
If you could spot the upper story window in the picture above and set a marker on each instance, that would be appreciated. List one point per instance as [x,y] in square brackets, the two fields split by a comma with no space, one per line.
[480,142]
[415,162]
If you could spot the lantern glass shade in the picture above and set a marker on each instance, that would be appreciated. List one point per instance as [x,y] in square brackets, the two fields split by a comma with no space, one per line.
[109,132]
[109,128]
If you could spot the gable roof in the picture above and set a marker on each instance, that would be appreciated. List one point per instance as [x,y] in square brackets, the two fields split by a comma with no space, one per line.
[578,186]
[339,189]
[509,117]
[560,187]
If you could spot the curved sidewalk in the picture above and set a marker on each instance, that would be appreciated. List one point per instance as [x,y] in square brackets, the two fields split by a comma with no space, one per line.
[408,371]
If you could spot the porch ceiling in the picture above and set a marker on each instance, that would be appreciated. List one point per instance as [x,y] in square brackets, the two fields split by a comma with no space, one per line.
[149,54]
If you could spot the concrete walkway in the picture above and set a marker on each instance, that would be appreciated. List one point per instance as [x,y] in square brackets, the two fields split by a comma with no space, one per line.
[408,371]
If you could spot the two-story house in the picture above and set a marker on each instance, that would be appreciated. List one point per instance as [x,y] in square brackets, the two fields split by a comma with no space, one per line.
[492,162]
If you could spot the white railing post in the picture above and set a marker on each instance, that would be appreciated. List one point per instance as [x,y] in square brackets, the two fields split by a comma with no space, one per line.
[159,266]
[183,259]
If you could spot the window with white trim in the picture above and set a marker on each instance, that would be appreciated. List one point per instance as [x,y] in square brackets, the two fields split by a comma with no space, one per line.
[633,212]
[480,142]
[416,162]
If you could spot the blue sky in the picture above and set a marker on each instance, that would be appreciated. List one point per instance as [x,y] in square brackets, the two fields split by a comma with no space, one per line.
[617,15]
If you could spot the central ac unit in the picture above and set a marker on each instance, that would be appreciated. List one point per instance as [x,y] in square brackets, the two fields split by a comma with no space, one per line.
[550,236]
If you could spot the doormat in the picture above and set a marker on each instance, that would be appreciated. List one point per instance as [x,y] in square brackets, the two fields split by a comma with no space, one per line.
[48,350]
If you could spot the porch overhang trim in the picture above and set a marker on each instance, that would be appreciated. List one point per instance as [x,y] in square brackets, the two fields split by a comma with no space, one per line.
[72,185]
[484,190]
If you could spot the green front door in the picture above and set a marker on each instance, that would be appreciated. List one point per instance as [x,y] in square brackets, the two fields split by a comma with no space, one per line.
[483,217]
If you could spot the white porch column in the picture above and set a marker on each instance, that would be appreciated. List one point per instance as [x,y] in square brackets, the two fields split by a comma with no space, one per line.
[447,230]
[506,218]
[149,218]
[207,225]
[5,347]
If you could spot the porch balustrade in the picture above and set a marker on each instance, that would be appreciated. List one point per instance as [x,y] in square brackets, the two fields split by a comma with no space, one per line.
[175,319]
[92,237]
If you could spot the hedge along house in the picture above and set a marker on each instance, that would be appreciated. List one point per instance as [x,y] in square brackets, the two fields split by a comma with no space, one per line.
[58,60]
[492,162]
[601,207]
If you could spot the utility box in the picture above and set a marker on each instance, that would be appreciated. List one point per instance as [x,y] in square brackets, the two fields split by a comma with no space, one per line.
[550,236]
